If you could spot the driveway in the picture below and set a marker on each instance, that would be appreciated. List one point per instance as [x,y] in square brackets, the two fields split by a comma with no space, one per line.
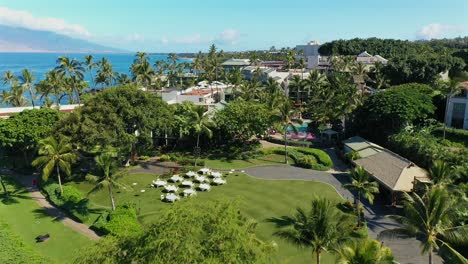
[405,250]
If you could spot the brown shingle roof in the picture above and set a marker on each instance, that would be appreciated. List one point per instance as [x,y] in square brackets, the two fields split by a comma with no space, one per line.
[385,166]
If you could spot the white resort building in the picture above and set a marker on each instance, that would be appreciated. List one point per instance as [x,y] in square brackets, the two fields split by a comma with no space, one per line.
[457,109]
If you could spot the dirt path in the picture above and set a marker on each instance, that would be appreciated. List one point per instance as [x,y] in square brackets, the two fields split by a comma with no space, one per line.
[51,210]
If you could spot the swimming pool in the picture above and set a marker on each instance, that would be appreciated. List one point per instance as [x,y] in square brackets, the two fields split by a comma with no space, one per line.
[300,128]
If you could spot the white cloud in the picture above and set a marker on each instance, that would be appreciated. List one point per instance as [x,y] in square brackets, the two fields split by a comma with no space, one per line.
[436,30]
[229,36]
[164,40]
[193,39]
[27,20]
[135,37]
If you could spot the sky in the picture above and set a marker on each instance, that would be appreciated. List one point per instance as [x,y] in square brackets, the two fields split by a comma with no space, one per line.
[233,25]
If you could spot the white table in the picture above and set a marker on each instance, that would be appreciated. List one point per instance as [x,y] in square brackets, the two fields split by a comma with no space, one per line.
[159,183]
[172,197]
[187,183]
[171,188]
[200,178]
[205,170]
[204,187]
[189,192]
[216,174]
[191,174]
[175,178]
[219,181]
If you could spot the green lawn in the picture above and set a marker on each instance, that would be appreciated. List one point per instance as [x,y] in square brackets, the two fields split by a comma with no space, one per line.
[262,199]
[242,164]
[27,220]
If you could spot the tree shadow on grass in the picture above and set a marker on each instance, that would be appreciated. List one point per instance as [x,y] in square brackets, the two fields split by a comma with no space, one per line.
[282,221]
[15,196]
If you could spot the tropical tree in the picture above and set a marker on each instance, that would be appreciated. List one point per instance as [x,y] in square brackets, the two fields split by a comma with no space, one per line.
[201,125]
[71,68]
[123,79]
[8,77]
[90,66]
[26,80]
[428,217]
[105,73]
[321,229]
[250,90]
[363,186]
[286,116]
[315,84]
[295,87]
[235,78]
[53,84]
[15,96]
[107,165]
[142,71]
[364,251]
[440,172]
[55,155]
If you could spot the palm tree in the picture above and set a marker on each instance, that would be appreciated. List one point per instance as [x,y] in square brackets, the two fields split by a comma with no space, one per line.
[143,73]
[15,97]
[72,68]
[201,125]
[90,65]
[285,115]
[105,73]
[429,218]
[250,90]
[52,84]
[295,86]
[123,79]
[440,172]
[235,78]
[364,251]
[363,186]
[107,165]
[56,155]
[8,77]
[26,81]
[321,229]
[315,84]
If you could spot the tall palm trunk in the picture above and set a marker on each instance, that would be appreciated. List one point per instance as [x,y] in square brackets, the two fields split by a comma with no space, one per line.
[430,255]
[358,204]
[317,253]
[59,180]
[285,146]
[111,195]
[32,98]
[198,147]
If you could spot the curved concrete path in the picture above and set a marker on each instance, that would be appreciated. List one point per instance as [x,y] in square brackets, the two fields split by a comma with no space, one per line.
[51,210]
[405,250]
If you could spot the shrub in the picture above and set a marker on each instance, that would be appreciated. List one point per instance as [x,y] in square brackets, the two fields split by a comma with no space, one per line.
[121,222]
[164,158]
[144,157]
[353,155]
[307,162]
[72,200]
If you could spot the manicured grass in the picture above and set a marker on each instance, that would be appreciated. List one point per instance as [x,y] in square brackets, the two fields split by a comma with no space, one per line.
[27,220]
[261,200]
[242,164]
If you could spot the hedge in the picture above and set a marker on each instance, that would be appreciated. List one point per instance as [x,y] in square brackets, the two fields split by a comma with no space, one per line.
[423,149]
[121,222]
[317,159]
[14,250]
[72,200]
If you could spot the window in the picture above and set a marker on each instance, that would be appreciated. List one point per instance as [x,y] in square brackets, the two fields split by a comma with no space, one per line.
[458,115]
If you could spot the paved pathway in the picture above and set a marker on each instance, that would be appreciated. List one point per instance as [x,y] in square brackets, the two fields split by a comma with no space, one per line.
[51,210]
[406,250]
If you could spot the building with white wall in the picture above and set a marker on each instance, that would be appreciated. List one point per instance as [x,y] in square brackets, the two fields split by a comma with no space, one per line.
[457,109]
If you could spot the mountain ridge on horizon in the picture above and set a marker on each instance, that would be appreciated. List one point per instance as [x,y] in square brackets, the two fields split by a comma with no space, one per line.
[23,40]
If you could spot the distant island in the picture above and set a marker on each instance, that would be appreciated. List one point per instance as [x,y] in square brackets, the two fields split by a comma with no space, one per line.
[16,39]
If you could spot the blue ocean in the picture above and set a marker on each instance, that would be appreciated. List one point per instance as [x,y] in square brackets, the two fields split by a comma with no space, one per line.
[41,63]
